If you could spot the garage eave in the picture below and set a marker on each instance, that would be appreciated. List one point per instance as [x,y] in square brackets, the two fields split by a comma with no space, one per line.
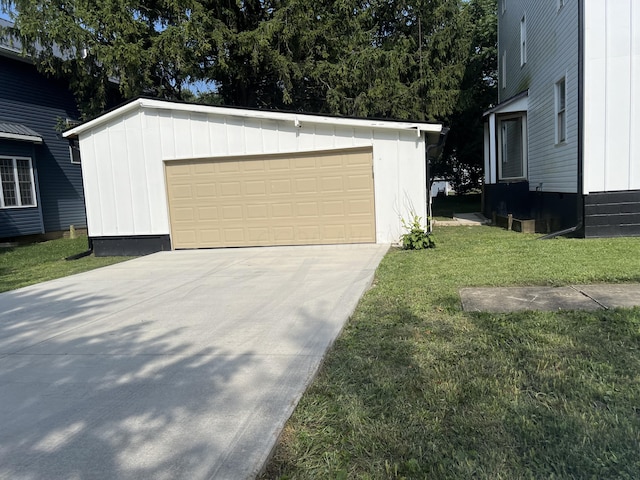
[298,119]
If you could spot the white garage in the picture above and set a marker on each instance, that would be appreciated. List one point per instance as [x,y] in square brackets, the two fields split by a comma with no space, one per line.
[162,175]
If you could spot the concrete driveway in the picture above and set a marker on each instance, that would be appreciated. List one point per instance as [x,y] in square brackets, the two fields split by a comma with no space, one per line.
[180,364]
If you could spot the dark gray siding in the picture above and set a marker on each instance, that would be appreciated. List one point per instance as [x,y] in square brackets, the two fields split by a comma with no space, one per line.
[28,98]
[612,214]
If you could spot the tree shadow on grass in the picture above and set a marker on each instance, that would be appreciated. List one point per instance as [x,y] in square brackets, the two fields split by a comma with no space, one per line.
[471,396]
[570,390]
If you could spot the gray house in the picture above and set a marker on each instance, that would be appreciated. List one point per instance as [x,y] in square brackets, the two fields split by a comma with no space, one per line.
[41,190]
[563,144]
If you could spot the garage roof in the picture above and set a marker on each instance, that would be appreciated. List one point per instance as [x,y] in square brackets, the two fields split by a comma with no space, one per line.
[297,118]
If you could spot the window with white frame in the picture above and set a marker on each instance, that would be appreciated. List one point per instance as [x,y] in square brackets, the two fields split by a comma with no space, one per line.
[16,183]
[561,110]
[523,40]
[512,157]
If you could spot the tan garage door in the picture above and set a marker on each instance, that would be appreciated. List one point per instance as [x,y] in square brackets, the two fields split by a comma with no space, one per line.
[299,199]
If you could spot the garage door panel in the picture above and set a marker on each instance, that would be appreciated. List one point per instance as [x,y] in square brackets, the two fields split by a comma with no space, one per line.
[282,210]
[309,198]
[283,235]
[207,213]
[357,160]
[184,214]
[280,187]
[205,190]
[258,234]
[358,183]
[279,164]
[204,168]
[309,233]
[307,209]
[359,207]
[332,184]
[255,187]
[307,185]
[232,212]
[254,166]
[225,167]
[257,212]
[335,208]
[231,189]
[182,191]
[209,236]
[308,163]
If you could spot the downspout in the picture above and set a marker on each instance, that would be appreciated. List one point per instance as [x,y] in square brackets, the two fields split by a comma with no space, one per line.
[580,201]
[86,253]
[441,141]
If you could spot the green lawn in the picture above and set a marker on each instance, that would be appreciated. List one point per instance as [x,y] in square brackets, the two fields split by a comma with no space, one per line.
[29,264]
[416,388]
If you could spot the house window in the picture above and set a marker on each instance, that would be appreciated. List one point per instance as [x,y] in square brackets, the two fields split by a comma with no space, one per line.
[504,70]
[512,156]
[16,183]
[561,111]
[74,151]
[523,41]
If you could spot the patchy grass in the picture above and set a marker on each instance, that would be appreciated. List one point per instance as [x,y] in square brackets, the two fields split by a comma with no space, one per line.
[35,263]
[416,388]
[444,207]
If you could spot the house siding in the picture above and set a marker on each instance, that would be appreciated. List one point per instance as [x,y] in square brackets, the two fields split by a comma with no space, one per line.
[30,99]
[612,96]
[552,53]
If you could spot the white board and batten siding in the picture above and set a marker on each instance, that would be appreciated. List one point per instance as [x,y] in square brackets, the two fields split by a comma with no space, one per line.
[612,96]
[552,53]
[124,155]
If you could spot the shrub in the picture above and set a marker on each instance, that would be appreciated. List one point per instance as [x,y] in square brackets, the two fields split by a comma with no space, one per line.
[416,237]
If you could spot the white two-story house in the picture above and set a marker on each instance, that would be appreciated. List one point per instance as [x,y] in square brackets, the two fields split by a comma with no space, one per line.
[563,144]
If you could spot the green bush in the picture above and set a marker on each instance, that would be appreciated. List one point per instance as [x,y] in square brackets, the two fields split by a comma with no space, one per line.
[417,237]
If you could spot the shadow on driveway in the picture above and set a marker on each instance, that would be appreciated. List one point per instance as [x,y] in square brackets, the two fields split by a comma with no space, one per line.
[177,365]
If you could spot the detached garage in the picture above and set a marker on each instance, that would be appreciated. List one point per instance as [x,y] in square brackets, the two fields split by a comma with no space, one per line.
[162,175]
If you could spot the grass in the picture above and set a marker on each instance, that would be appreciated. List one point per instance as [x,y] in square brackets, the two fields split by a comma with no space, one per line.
[38,262]
[444,207]
[416,388]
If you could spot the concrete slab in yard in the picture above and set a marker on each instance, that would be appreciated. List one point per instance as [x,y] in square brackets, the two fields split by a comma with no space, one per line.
[181,364]
[613,295]
[513,299]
